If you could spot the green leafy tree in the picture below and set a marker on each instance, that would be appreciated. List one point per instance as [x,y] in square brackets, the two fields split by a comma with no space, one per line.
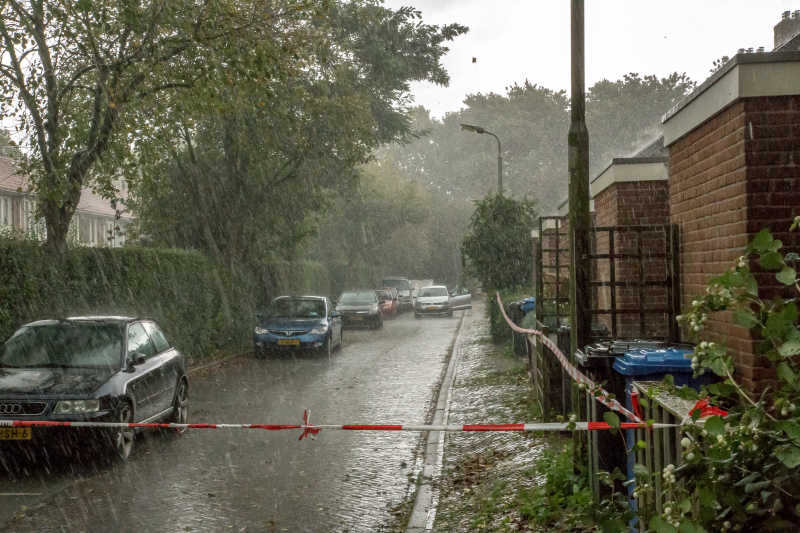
[8,147]
[497,248]
[85,80]
[532,122]
[623,115]
[263,161]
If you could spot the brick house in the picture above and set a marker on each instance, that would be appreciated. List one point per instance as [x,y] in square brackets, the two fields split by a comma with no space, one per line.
[95,222]
[734,169]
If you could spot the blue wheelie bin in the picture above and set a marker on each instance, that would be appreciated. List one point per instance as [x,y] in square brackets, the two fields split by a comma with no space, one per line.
[653,365]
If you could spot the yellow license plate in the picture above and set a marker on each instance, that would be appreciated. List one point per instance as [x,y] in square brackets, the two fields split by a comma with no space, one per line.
[356,318]
[15,433]
[432,308]
[289,342]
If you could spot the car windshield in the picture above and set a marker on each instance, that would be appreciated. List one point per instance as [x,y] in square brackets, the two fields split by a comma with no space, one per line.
[432,291]
[399,284]
[64,345]
[384,295]
[366,297]
[297,308]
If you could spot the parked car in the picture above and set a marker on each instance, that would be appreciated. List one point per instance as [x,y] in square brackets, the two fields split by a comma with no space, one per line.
[460,298]
[298,323]
[360,309]
[403,287]
[388,303]
[96,369]
[433,300]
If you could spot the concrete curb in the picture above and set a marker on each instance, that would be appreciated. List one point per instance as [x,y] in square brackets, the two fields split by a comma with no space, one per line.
[425,502]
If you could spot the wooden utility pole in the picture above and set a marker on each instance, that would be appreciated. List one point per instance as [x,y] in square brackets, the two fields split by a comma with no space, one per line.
[579,218]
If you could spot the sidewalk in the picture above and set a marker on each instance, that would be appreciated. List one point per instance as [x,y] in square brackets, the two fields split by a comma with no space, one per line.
[484,472]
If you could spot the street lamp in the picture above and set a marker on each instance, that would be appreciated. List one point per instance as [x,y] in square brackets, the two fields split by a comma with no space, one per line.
[478,129]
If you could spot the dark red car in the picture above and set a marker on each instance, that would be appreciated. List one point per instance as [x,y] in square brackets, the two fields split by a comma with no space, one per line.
[388,302]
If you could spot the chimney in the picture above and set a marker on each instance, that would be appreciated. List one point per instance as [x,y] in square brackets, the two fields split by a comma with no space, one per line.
[741,51]
[750,50]
[760,49]
[786,29]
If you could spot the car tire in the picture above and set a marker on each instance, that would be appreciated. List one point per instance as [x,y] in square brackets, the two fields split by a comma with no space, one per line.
[326,348]
[380,323]
[450,312]
[259,353]
[122,439]
[180,406]
[341,339]
[417,315]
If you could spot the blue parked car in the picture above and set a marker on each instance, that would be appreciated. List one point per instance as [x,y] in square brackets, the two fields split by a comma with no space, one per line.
[298,323]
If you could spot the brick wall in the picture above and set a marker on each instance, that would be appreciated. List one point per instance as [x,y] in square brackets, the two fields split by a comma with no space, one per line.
[635,203]
[732,176]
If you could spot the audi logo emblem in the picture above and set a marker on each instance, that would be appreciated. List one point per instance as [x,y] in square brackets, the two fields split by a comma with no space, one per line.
[10,408]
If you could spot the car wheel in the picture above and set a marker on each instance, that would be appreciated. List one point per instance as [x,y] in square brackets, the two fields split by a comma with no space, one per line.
[341,339]
[380,323]
[180,408]
[326,348]
[123,437]
[450,312]
[259,353]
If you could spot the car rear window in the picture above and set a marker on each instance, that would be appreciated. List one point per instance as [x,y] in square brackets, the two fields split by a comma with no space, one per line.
[64,345]
[297,308]
[399,284]
[384,295]
[361,297]
[432,291]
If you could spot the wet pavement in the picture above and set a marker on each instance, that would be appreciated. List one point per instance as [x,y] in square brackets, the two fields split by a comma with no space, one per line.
[483,473]
[257,480]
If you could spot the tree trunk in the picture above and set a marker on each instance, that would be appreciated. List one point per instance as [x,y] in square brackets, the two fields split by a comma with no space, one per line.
[57,219]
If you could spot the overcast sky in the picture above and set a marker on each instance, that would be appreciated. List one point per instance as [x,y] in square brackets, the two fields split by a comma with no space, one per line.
[514,40]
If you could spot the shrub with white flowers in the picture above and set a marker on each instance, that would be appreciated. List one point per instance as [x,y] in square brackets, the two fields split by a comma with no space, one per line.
[742,473]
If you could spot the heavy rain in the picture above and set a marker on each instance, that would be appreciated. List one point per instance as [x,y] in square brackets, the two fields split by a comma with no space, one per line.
[365,266]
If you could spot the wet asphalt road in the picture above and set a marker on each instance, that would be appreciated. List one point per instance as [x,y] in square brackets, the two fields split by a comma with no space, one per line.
[256,480]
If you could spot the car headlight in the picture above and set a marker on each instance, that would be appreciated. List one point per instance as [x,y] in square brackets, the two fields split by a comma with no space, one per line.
[261,331]
[374,309]
[76,406]
[319,331]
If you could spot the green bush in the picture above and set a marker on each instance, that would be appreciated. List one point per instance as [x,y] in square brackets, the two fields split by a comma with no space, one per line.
[201,306]
[498,328]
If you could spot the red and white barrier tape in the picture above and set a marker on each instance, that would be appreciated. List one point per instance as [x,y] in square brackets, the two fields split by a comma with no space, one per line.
[311,430]
[596,391]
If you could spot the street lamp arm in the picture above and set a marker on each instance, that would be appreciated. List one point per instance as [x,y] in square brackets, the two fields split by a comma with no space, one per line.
[478,129]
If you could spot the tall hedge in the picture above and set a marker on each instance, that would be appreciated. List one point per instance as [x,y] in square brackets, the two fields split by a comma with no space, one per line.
[201,306]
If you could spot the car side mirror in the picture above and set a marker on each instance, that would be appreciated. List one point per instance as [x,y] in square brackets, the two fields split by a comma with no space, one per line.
[260,315]
[380,302]
[336,314]
[137,359]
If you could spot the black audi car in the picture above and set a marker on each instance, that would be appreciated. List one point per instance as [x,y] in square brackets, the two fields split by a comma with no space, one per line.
[109,369]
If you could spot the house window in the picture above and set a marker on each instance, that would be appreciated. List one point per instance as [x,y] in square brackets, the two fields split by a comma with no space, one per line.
[108,233]
[35,229]
[74,230]
[87,229]
[5,212]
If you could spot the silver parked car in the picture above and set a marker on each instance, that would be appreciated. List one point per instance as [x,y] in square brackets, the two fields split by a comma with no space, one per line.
[433,300]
